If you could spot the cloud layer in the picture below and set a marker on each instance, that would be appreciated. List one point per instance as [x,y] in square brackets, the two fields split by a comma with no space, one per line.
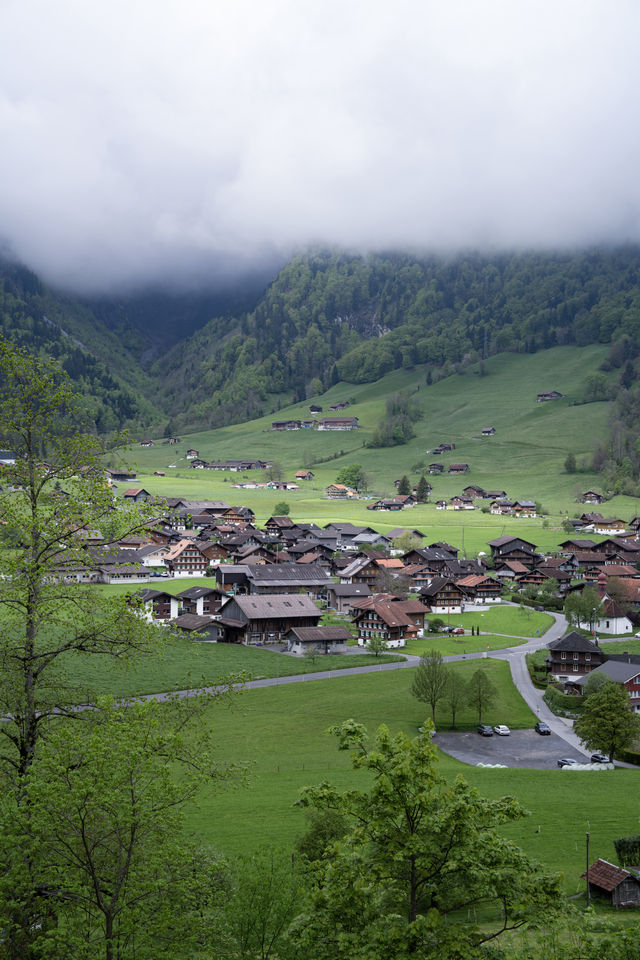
[198,139]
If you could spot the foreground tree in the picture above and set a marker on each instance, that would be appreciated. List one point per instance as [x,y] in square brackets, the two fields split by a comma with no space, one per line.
[431,679]
[607,723]
[419,851]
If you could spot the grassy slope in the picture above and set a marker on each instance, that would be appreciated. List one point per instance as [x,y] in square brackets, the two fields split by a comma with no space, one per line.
[525,457]
[281,734]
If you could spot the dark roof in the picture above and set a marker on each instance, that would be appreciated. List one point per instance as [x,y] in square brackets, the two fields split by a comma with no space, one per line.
[280,605]
[501,541]
[350,589]
[320,634]
[194,593]
[283,573]
[574,641]
[191,621]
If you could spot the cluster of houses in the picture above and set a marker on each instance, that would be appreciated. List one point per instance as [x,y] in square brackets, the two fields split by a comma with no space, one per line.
[499,503]
[317,423]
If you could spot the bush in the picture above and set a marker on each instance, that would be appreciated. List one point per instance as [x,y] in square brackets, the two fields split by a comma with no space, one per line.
[562,704]
[629,756]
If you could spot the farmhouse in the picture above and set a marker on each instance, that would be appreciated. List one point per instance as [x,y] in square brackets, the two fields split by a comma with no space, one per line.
[549,395]
[304,475]
[338,491]
[572,655]
[338,423]
[342,596]
[386,620]
[136,494]
[488,431]
[443,596]
[286,425]
[458,468]
[266,619]
[590,496]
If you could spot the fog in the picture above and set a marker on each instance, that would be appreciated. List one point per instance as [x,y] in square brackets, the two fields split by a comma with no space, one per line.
[190,143]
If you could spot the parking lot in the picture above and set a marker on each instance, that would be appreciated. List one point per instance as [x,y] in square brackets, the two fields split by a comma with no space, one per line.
[522,748]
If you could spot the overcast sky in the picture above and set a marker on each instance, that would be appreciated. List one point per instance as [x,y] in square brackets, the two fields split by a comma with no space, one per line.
[146,138]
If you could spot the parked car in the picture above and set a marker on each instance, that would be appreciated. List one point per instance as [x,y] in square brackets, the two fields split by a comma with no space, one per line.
[567,762]
[458,631]
[501,730]
[485,730]
[600,758]
[543,728]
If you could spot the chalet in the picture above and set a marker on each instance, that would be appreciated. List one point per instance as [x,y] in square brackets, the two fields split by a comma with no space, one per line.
[386,620]
[390,504]
[159,605]
[192,454]
[330,639]
[524,508]
[198,464]
[461,503]
[282,485]
[136,494]
[304,475]
[340,405]
[173,440]
[443,596]
[458,468]
[513,548]
[203,601]
[494,494]
[549,395]
[146,443]
[443,545]
[590,496]
[480,589]
[361,570]
[186,559]
[159,473]
[617,885]
[266,619]
[609,525]
[436,468]
[444,448]
[488,431]
[342,596]
[624,669]
[502,507]
[338,423]
[338,491]
[286,425]
[401,531]
[279,578]
[441,504]
[315,408]
[572,655]
[277,524]
[473,491]
[366,539]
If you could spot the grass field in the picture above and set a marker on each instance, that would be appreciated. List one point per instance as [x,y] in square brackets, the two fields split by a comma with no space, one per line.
[281,734]
[187,664]
[525,457]
[448,646]
[513,621]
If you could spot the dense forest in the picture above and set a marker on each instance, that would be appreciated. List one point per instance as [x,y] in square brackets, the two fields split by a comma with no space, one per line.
[334,316]
[331,316]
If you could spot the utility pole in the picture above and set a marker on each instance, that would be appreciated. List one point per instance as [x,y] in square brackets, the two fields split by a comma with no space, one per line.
[588,888]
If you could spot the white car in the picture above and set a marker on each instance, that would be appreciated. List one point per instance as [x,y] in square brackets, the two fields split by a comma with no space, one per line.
[501,730]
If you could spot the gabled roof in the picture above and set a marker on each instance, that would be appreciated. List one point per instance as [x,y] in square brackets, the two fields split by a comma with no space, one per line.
[350,589]
[607,876]
[502,541]
[620,671]
[321,634]
[283,573]
[280,605]
[574,641]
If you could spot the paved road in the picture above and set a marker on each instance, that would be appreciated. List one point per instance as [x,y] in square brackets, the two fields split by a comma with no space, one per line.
[515,656]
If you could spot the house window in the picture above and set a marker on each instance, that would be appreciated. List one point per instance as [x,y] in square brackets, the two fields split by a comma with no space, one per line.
[587,656]
[563,656]
[576,656]
[576,667]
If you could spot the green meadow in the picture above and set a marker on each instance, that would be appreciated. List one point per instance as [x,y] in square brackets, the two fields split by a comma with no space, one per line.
[525,457]
[281,735]
[510,620]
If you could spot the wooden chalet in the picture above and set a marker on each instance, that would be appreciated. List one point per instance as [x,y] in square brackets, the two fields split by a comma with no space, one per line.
[590,496]
[513,548]
[159,605]
[443,595]
[203,601]
[342,596]
[266,619]
[458,468]
[488,431]
[279,578]
[549,395]
[191,624]
[572,655]
[474,491]
[136,495]
[436,468]
[480,589]
[186,559]
[386,620]
[338,423]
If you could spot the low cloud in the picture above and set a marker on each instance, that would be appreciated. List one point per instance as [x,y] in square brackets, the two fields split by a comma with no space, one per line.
[200,140]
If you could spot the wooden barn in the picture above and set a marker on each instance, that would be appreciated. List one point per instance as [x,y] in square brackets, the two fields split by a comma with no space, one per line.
[619,886]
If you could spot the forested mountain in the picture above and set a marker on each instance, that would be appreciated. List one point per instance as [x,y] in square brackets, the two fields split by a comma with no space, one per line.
[331,316]
[326,317]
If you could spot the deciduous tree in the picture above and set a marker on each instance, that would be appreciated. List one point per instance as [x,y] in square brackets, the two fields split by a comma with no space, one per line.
[419,852]
[607,723]
[482,691]
[430,681]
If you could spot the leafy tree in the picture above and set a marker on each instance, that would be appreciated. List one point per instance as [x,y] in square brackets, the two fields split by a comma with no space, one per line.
[607,723]
[105,814]
[430,681]
[376,645]
[389,582]
[570,463]
[423,489]
[407,541]
[324,828]
[584,608]
[263,899]
[275,471]
[353,476]
[419,852]
[455,693]
[435,624]
[404,486]
[482,691]
[281,509]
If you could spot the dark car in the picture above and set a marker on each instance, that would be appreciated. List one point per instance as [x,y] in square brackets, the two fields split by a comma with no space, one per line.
[600,758]
[543,728]
[567,762]
[485,730]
